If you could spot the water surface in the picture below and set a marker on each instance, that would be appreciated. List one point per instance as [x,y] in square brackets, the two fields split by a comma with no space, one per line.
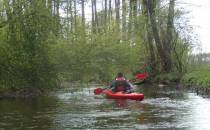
[164,108]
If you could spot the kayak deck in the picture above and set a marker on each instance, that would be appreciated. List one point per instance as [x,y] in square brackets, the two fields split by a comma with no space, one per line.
[121,95]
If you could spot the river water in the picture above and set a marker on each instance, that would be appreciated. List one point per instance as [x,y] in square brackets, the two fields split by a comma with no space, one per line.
[76,107]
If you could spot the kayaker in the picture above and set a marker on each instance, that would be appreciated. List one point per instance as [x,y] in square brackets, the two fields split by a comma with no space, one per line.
[121,84]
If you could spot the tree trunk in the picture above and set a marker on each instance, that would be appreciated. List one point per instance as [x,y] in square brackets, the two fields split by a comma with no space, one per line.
[83,21]
[83,13]
[96,16]
[57,18]
[117,11]
[165,57]
[57,8]
[75,15]
[149,39]
[67,17]
[71,16]
[105,14]
[170,27]
[124,35]
[135,13]
[130,25]
[49,5]
[93,17]
[110,11]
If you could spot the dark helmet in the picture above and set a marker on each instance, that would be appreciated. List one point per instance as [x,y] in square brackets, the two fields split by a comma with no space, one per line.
[120,75]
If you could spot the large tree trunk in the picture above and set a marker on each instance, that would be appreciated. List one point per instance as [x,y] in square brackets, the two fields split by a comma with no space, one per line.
[162,48]
[169,39]
[149,39]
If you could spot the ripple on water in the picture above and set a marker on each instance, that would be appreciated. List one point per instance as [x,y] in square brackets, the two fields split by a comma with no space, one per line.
[167,102]
[79,108]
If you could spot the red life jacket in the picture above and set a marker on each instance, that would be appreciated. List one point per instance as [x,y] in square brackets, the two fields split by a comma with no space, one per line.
[121,87]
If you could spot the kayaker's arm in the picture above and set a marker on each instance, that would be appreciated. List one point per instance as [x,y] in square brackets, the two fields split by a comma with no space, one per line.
[113,84]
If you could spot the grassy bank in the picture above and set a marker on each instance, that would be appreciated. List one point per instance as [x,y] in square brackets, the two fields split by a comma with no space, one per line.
[167,78]
[198,77]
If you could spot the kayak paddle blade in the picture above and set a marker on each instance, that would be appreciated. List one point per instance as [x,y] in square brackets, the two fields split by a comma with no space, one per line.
[98,91]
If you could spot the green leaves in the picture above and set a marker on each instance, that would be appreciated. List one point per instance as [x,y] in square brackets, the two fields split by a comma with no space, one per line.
[199,77]
[99,58]
[25,47]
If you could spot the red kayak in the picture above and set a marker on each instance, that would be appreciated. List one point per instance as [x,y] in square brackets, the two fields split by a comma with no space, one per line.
[121,95]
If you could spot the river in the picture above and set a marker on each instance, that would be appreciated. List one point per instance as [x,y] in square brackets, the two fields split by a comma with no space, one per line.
[76,107]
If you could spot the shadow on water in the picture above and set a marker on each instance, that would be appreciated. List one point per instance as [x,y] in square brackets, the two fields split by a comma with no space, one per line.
[164,108]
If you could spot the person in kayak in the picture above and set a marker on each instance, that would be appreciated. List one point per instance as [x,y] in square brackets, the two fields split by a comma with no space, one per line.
[121,84]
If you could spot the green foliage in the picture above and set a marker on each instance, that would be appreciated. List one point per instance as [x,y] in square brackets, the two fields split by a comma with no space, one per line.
[95,57]
[38,48]
[168,77]
[25,47]
[180,55]
[197,77]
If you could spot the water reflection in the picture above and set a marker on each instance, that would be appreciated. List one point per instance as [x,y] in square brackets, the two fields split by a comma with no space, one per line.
[27,114]
[78,108]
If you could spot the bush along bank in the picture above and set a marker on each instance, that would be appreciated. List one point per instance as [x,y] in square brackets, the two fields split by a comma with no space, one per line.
[167,78]
[198,81]
[21,93]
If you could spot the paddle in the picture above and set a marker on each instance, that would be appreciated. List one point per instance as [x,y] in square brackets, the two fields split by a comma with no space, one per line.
[98,91]
[141,76]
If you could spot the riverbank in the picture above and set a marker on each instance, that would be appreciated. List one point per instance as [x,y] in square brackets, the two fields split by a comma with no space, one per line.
[197,79]
[23,93]
[167,78]
[37,92]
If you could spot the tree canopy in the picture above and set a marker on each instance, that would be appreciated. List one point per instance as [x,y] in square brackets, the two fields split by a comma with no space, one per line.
[45,42]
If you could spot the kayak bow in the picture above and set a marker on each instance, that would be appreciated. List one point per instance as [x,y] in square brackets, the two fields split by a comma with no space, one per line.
[121,95]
